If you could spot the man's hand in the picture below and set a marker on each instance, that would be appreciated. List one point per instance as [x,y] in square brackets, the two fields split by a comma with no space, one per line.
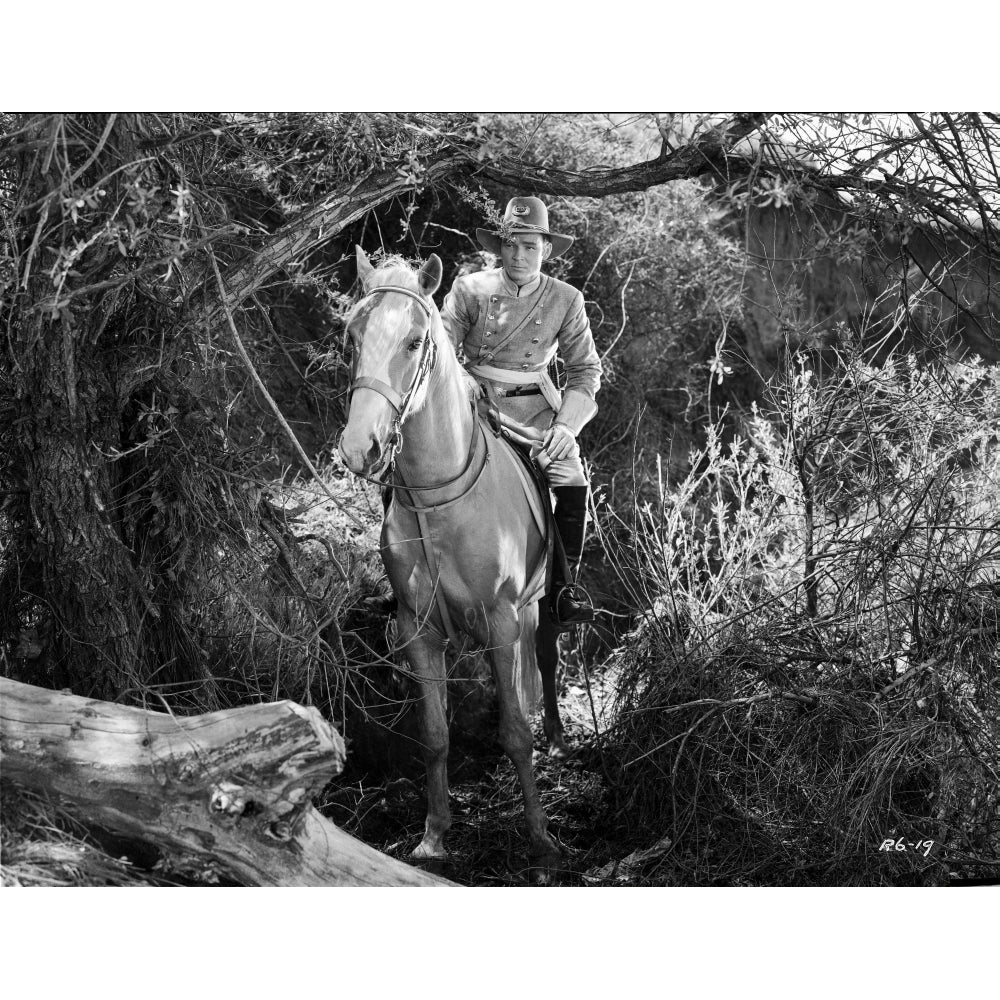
[558,442]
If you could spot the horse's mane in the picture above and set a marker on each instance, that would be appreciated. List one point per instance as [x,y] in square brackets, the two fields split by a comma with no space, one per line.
[392,263]
[394,269]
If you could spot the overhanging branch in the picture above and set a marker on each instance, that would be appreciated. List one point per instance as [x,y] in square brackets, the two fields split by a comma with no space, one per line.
[320,222]
[706,153]
[328,217]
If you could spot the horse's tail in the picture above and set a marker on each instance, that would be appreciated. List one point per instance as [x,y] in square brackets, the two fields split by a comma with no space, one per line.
[527,679]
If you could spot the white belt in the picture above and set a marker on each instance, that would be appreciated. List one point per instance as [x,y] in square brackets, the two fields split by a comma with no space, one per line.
[539,378]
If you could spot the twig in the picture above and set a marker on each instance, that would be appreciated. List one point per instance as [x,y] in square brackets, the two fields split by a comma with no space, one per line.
[812,701]
[914,671]
[621,329]
[259,382]
[53,304]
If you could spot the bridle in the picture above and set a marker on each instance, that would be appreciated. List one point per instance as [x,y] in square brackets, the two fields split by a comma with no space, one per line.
[399,403]
[393,478]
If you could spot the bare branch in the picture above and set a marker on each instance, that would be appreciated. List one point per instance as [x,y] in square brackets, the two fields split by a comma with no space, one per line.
[708,152]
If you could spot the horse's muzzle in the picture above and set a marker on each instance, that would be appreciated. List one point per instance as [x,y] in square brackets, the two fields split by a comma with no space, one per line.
[363,455]
[371,438]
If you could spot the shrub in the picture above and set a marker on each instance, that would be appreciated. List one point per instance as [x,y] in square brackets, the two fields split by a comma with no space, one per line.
[817,669]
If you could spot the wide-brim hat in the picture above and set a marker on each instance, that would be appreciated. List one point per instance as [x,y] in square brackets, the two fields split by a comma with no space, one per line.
[524,215]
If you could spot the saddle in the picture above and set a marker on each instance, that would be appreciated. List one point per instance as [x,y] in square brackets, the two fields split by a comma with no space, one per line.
[520,440]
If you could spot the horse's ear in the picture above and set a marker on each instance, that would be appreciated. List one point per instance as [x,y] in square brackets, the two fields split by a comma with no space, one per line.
[430,275]
[364,264]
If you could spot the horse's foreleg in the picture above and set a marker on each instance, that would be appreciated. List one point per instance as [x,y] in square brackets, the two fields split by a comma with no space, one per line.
[547,653]
[515,738]
[426,658]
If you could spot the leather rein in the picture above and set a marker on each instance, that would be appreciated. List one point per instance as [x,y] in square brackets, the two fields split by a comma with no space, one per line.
[401,406]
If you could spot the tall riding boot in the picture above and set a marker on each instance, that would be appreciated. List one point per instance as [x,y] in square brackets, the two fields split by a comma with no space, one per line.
[568,604]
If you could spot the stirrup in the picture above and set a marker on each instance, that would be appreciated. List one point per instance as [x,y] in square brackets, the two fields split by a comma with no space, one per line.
[579,612]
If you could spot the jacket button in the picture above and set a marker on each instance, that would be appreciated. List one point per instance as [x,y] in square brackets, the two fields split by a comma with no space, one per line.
[538,322]
[491,316]
[487,334]
[534,340]
[525,366]
[527,354]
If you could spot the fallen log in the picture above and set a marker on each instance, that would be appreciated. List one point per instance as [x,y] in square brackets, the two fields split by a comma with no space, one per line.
[233,787]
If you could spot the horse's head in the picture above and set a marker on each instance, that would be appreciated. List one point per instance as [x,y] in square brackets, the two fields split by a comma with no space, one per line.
[390,331]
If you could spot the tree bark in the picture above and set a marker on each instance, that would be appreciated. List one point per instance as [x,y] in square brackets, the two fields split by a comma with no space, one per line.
[62,399]
[233,787]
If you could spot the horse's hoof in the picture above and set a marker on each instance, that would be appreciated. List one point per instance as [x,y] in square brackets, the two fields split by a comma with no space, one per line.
[428,852]
[544,868]
[556,739]
[541,876]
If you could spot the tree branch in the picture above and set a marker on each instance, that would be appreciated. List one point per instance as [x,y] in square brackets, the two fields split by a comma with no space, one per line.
[708,152]
[328,217]
[320,222]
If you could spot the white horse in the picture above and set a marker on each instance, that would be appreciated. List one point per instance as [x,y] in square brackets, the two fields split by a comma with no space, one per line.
[463,541]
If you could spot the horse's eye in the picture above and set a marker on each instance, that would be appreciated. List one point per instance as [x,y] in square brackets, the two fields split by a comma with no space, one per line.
[414,345]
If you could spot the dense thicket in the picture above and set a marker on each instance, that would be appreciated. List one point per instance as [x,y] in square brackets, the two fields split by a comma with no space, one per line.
[141,526]
[161,539]
[136,513]
[817,670]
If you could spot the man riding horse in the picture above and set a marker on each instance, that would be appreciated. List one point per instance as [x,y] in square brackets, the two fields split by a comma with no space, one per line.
[509,322]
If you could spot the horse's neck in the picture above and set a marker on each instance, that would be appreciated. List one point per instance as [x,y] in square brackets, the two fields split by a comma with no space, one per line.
[436,438]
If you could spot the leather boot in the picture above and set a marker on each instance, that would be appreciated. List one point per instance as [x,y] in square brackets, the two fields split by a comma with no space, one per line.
[569,605]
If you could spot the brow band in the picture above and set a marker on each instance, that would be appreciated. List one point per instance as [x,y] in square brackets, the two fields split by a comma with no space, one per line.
[403,291]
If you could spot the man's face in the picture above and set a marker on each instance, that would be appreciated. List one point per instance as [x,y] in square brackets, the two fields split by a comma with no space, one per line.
[523,256]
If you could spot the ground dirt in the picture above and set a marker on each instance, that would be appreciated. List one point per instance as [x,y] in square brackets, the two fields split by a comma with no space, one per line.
[487,841]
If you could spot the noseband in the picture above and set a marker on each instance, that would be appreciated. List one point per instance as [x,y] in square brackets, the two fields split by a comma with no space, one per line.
[399,403]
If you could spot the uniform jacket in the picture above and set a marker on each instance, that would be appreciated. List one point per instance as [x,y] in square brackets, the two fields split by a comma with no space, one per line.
[483,316]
